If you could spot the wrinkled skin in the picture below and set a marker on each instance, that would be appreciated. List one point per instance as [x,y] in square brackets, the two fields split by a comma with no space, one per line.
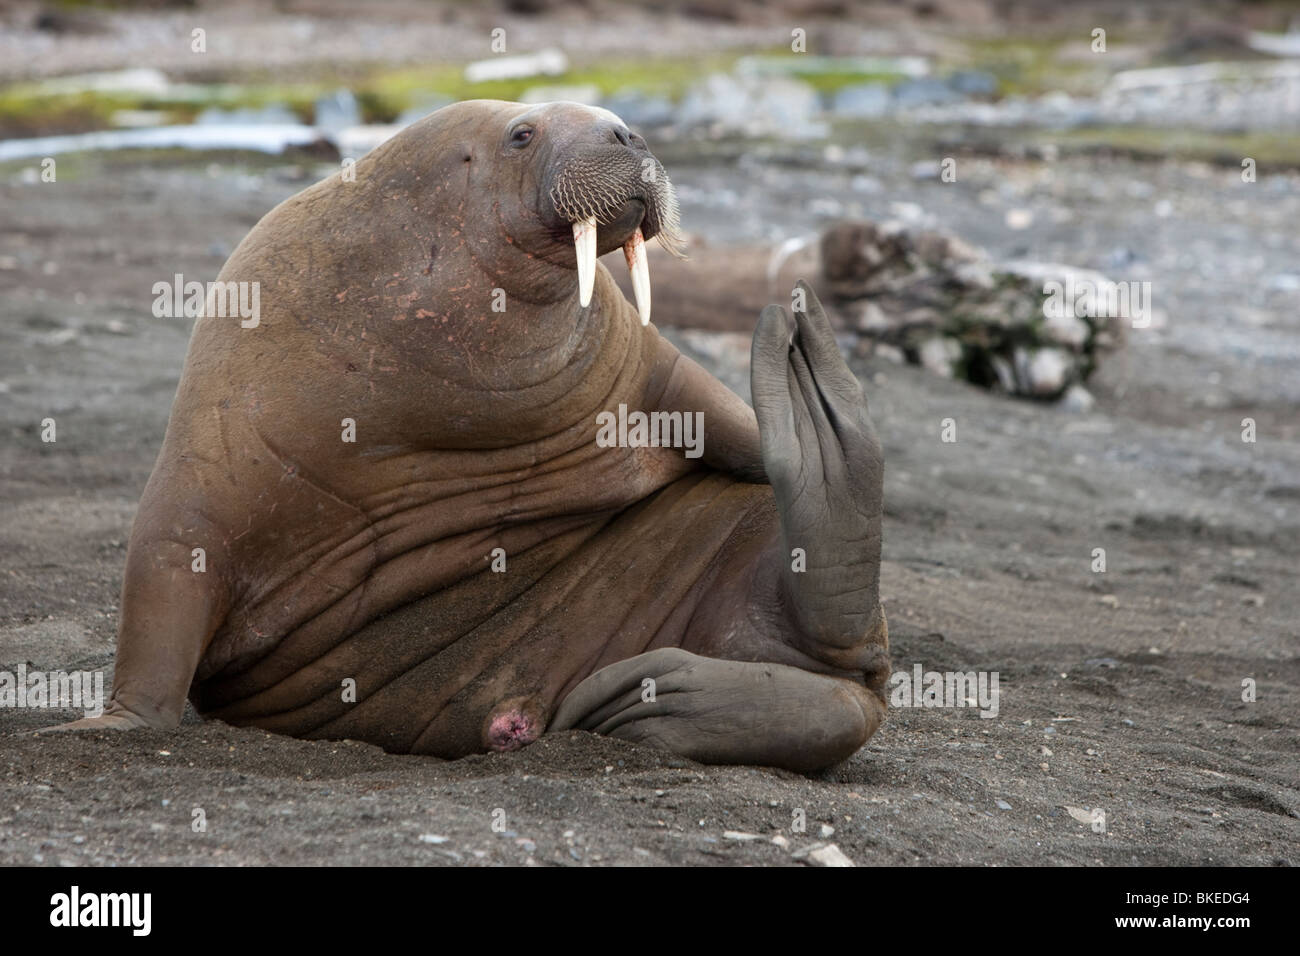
[368,561]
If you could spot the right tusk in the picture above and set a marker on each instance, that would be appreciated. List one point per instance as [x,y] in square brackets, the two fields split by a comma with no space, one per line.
[584,243]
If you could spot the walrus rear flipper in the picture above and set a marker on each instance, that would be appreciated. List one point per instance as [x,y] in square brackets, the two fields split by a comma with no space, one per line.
[716,711]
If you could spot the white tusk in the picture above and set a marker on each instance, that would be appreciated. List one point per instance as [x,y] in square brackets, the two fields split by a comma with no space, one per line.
[584,243]
[639,266]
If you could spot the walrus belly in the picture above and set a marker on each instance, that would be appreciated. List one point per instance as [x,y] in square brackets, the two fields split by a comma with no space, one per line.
[449,673]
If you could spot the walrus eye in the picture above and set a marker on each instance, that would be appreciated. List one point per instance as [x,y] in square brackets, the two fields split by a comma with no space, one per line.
[521,136]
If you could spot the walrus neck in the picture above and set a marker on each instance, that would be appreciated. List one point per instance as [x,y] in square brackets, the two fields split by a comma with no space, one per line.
[542,301]
[574,337]
[529,279]
[530,370]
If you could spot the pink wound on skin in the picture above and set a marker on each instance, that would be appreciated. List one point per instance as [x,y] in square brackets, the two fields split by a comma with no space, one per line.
[511,730]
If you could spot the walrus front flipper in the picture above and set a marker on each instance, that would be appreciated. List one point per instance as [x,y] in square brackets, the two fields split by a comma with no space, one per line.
[718,711]
[812,601]
[680,385]
[169,613]
[826,468]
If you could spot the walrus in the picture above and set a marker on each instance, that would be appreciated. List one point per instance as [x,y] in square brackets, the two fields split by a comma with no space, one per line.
[411,532]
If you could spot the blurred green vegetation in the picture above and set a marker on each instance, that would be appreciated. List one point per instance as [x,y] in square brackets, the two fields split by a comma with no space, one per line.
[1021,64]
[387,93]
[1032,65]
[27,110]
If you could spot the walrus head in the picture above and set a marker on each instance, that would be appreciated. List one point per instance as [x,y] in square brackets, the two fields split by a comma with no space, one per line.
[600,188]
[604,177]
[567,183]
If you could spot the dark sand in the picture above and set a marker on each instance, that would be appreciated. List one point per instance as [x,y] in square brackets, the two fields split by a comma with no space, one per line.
[1119,691]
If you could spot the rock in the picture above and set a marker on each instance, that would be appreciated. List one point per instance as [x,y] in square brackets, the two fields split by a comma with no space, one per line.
[926,169]
[251,116]
[51,19]
[871,319]
[641,109]
[1006,375]
[586,93]
[889,353]
[924,91]
[827,831]
[422,108]
[829,855]
[1206,95]
[1019,218]
[753,106]
[791,108]
[1202,39]
[974,83]
[862,257]
[355,141]
[337,110]
[808,64]
[941,355]
[1080,814]
[715,99]
[1066,329]
[137,81]
[1003,805]
[739,836]
[133,119]
[718,347]
[862,101]
[548,62]
[940,250]
[1276,44]
[1041,372]
[927,297]
[262,138]
[1077,400]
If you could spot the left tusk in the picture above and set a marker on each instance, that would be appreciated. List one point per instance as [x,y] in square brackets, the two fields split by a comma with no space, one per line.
[639,267]
[584,244]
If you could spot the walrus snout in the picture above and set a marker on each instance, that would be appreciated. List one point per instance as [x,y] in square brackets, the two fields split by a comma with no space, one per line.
[597,181]
[598,186]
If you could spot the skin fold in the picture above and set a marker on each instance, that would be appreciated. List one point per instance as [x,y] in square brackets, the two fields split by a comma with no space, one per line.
[433,303]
